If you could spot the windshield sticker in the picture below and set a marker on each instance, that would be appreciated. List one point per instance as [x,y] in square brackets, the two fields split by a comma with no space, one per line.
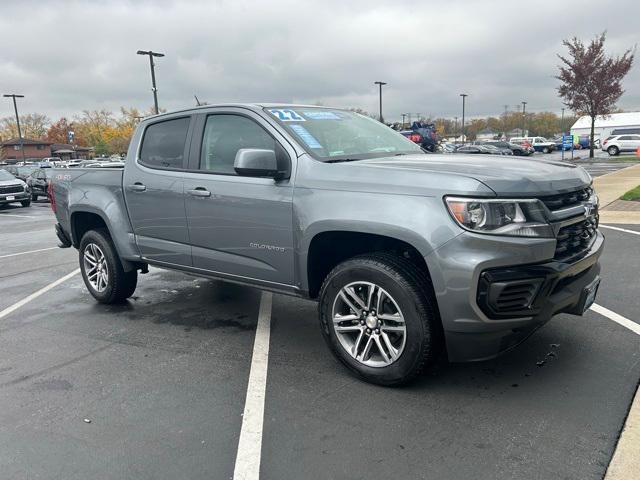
[287,115]
[306,137]
[321,115]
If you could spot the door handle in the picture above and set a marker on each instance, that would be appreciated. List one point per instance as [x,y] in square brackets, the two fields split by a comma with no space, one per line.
[137,187]
[199,192]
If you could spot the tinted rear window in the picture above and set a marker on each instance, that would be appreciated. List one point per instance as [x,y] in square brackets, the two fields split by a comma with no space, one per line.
[163,143]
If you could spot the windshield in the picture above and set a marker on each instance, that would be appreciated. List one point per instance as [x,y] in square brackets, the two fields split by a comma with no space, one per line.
[333,135]
[4,175]
[25,170]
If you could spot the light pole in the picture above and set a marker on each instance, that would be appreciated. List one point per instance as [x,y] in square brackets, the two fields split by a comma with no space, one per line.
[524,117]
[15,108]
[380,84]
[455,130]
[152,54]
[464,98]
[404,115]
[562,122]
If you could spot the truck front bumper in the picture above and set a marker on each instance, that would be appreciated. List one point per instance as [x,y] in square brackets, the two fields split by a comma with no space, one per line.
[494,292]
[14,197]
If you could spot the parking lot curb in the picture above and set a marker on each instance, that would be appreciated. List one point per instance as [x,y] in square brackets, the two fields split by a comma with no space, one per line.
[613,216]
[625,463]
[613,185]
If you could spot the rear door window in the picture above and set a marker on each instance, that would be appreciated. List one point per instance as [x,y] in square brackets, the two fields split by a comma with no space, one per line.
[163,144]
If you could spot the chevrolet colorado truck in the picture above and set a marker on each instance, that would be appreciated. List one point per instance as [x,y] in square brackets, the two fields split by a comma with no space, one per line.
[410,255]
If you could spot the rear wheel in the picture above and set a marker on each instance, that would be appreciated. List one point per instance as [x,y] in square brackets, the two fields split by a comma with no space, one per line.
[546,150]
[102,270]
[379,318]
[613,151]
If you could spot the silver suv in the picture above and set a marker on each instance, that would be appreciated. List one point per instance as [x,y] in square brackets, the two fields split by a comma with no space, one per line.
[621,143]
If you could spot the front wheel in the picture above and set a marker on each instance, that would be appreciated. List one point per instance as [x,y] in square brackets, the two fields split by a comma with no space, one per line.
[379,318]
[34,197]
[102,270]
[26,203]
[546,150]
[613,151]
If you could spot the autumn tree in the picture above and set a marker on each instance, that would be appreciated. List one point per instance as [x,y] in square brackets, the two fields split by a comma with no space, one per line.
[59,131]
[591,81]
[33,126]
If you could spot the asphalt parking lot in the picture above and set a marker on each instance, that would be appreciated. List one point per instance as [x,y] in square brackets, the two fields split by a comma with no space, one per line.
[601,164]
[155,388]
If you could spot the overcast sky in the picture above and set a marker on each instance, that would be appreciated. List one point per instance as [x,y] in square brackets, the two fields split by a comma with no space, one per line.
[69,56]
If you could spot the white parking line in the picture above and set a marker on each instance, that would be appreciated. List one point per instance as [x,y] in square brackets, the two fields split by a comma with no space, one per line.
[16,215]
[625,322]
[247,465]
[620,229]
[35,295]
[30,251]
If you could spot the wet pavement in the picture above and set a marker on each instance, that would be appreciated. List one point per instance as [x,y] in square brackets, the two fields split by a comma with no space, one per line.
[162,380]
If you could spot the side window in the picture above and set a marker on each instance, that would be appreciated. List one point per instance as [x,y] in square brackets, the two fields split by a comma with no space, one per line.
[163,143]
[224,135]
[625,137]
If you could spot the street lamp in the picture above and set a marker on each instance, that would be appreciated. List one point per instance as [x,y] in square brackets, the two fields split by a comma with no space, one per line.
[380,84]
[464,97]
[524,117]
[15,108]
[455,130]
[152,54]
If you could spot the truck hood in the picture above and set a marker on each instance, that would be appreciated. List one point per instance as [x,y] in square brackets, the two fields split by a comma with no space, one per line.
[504,175]
[15,181]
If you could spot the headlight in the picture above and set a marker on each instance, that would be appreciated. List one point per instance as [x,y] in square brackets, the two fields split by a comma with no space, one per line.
[519,218]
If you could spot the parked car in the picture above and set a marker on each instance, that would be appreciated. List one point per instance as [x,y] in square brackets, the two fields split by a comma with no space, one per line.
[616,144]
[539,144]
[13,190]
[38,182]
[21,172]
[408,255]
[109,164]
[471,149]
[515,148]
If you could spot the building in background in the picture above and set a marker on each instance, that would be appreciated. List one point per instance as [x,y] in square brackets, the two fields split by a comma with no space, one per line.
[10,151]
[605,126]
[71,152]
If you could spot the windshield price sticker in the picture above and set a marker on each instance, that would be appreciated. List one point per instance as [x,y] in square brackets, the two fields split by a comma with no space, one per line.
[287,115]
[306,137]
[322,115]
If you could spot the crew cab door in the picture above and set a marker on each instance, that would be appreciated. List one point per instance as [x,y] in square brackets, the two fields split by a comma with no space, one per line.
[239,226]
[154,191]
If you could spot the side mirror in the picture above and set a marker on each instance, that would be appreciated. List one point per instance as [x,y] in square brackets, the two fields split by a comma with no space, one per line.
[256,162]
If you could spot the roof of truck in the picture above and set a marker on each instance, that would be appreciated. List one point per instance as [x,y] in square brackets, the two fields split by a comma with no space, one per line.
[251,106]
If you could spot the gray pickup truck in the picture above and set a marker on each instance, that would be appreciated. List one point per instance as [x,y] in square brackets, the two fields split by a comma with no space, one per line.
[410,255]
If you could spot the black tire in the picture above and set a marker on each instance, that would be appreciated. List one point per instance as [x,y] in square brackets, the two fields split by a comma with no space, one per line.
[546,150]
[34,197]
[411,289]
[613,151]
[120,284]
[26,203]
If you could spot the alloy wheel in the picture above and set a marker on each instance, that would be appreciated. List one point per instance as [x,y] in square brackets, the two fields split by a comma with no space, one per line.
[95,267]
[369,324]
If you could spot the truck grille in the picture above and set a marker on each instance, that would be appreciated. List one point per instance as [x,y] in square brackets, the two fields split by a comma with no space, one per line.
[566,200]
[516,297]
[11,189]
[575,239]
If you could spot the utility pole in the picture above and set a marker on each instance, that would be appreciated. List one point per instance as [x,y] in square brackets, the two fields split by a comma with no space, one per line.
[380,84]
[152,54]
[403,117]
[524,118]
[455,130]
[562,122]
[15,108]
[464,97]
[504,123]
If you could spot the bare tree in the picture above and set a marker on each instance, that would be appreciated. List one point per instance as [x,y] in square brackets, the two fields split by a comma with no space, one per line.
[591,80]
